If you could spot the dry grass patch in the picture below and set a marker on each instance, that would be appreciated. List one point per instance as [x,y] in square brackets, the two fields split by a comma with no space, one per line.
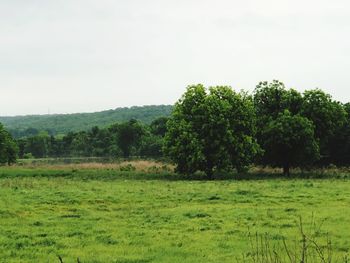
[136,165]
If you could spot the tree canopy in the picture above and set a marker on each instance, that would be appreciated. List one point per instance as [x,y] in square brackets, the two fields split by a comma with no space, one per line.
[276,106]
[289,141]
[8,147]
[211,130]
[55,124]
[327,115]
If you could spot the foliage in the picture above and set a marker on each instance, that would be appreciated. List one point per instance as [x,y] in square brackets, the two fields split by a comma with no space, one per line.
[289,141]
[151,146]
[119,140]
[128,136]
[158,126]
[211,131]
[328,116]
[8,147]
[270,99]
[27,126]
[339,144]
[28,156]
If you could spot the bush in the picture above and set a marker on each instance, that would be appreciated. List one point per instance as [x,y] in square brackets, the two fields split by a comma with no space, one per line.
[127,168]
[28,156]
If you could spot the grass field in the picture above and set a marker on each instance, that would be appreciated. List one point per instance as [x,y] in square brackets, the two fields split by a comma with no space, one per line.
[107,215]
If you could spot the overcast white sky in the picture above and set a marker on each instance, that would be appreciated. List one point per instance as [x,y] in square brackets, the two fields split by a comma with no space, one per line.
[82,55]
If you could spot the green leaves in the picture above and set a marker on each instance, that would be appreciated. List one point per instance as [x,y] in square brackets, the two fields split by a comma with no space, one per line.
[326,114]
[211,130]
[129,135]
[289,141]
[296,129]
[8,147]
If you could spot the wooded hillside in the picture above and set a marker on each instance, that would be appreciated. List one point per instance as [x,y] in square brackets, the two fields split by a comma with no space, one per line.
[20,126]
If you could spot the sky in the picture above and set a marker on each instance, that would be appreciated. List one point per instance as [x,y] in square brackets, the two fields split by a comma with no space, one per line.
[66,56]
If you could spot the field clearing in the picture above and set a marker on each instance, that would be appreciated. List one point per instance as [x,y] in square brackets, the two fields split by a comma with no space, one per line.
[105,215]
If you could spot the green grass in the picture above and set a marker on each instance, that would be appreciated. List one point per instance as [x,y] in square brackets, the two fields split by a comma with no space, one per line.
[112,216]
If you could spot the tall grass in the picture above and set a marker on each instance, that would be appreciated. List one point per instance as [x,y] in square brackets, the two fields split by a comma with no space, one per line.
[307,248]
[134,165]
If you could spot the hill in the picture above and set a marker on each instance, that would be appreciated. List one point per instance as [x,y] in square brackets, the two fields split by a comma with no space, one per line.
[64,123]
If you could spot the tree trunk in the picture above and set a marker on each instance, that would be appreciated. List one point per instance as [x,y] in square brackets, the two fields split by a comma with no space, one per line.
[209,173]
[286,170]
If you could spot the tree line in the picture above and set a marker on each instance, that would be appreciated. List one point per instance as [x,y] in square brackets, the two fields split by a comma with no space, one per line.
[131,138]
[55,124]
[218,129]
[214,130]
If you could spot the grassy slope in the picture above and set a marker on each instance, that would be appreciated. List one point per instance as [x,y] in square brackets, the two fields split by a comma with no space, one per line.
[83,121]
[107,216]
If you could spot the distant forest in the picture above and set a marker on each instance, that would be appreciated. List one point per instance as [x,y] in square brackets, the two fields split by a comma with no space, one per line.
[25,126]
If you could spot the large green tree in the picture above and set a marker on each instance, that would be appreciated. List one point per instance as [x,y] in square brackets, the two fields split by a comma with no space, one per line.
[211,130]
[129,135]
[338,146]
[327,115]
[8,147]
[38,145]
[289,141]
[281,123]
[80,145]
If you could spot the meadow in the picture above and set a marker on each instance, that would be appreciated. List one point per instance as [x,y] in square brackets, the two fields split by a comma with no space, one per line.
[115,213]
